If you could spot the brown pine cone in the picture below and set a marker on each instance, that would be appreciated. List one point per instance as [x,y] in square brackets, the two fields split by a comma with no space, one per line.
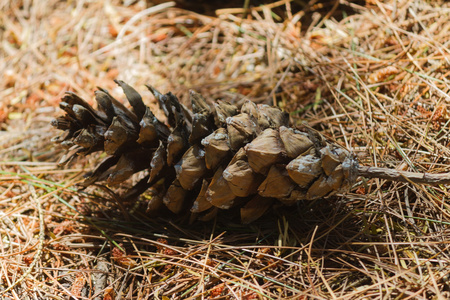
[208,158]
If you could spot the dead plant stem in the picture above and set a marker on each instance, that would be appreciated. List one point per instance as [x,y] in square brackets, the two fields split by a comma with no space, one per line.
[403,176]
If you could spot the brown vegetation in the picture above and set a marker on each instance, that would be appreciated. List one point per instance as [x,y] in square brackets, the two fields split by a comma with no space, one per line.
[373,82]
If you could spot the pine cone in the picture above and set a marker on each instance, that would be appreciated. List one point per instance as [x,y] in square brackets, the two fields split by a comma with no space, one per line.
[209,158]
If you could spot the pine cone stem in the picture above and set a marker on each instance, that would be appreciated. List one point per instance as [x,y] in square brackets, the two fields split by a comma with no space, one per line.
[403,176]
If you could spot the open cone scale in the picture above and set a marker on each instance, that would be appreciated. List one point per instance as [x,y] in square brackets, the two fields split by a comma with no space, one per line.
[213,157]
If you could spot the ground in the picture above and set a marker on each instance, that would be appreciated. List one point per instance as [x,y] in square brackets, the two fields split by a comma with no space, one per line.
[370,76]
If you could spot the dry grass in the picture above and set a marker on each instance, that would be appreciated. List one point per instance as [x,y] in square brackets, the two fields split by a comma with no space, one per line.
[375,82]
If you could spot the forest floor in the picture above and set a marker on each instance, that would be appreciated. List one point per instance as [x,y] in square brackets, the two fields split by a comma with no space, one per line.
[372,77]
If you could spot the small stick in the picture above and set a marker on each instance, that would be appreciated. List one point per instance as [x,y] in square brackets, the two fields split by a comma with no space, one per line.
[403,176]
[100,278]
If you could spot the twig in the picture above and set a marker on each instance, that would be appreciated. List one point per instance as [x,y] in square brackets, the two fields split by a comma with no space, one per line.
[403,176]
[100,278]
